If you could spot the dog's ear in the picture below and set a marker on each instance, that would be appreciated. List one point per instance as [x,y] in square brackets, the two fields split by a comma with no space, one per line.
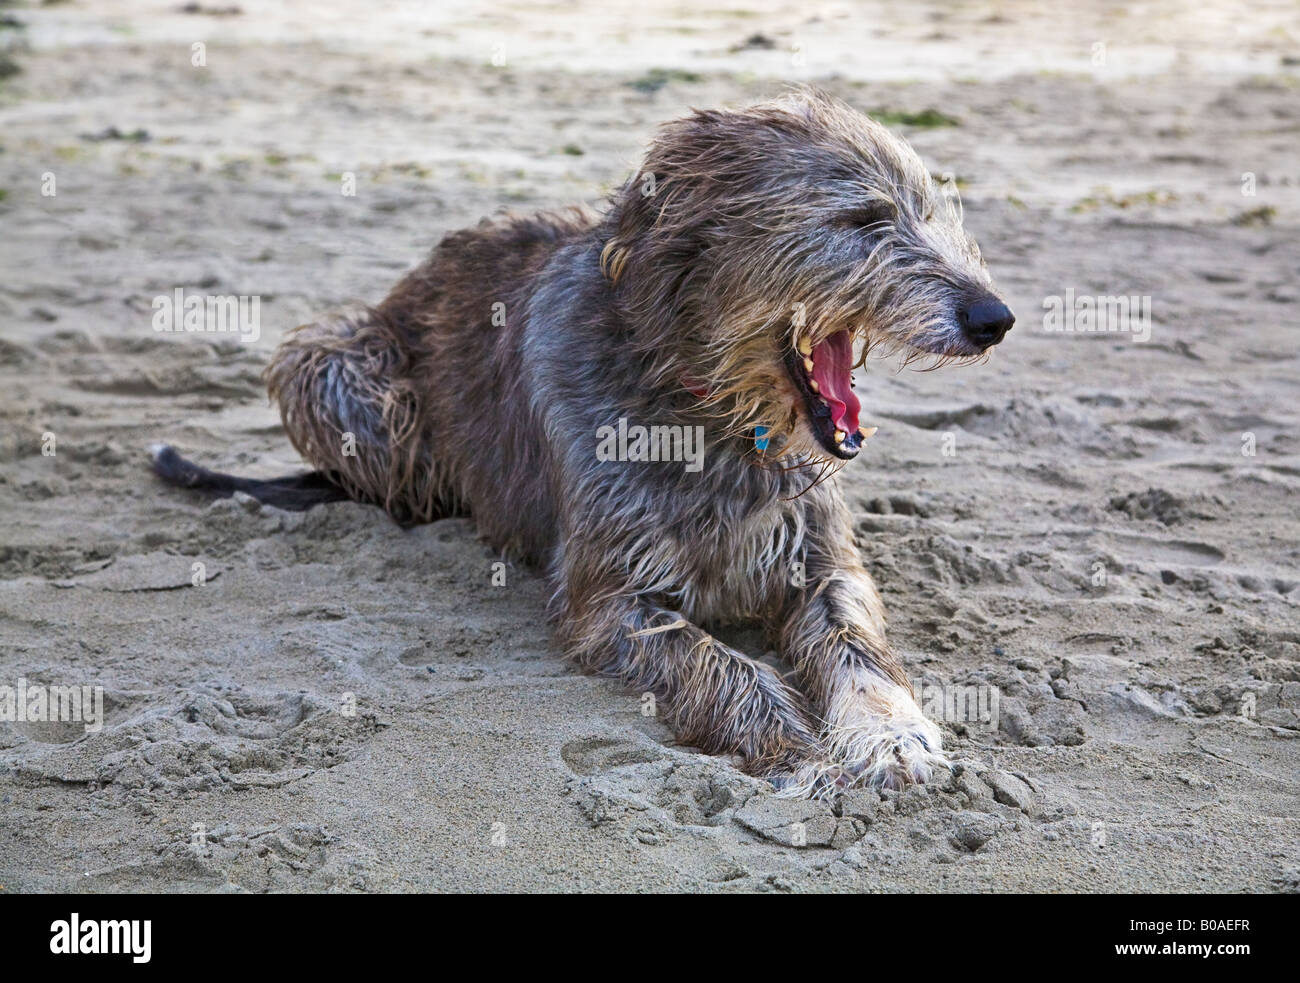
[660,208]
[633,221]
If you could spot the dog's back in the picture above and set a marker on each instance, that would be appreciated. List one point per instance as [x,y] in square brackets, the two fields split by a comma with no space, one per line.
[471,269]
[420,405]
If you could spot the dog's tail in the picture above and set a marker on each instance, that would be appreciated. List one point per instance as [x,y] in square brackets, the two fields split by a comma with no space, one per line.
[295,492]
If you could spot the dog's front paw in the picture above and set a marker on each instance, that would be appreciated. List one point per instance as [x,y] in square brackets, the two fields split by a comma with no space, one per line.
[885,742]
[888,757]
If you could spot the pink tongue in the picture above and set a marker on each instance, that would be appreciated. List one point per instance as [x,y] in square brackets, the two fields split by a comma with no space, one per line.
[832,368]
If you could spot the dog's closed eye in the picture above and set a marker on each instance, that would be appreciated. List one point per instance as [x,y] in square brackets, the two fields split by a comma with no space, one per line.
[868,217]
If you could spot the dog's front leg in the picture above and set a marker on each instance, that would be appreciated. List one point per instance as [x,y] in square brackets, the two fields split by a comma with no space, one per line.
[834,634]
[712,696]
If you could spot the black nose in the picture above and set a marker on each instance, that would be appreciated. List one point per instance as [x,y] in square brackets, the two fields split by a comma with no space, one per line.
[987,321]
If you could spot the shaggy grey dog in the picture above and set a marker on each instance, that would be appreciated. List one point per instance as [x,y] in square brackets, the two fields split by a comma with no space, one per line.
[521,373]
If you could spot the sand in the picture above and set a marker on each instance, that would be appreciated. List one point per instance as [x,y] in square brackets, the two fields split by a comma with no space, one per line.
[1101,529]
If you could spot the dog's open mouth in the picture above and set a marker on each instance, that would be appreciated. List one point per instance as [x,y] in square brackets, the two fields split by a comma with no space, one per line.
[824,375]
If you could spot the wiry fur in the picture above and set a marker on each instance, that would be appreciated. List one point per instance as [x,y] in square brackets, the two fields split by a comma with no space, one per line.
[801,201]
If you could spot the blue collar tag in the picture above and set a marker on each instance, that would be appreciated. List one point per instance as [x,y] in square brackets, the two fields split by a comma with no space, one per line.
[760,438]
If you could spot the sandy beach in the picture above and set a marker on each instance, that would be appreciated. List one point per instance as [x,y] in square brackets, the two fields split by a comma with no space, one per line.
[1101,528]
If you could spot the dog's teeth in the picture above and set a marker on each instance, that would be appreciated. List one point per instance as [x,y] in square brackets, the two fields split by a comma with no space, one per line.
[867,432]
[839,436]
[812,384]
[808,365]
[805,346]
